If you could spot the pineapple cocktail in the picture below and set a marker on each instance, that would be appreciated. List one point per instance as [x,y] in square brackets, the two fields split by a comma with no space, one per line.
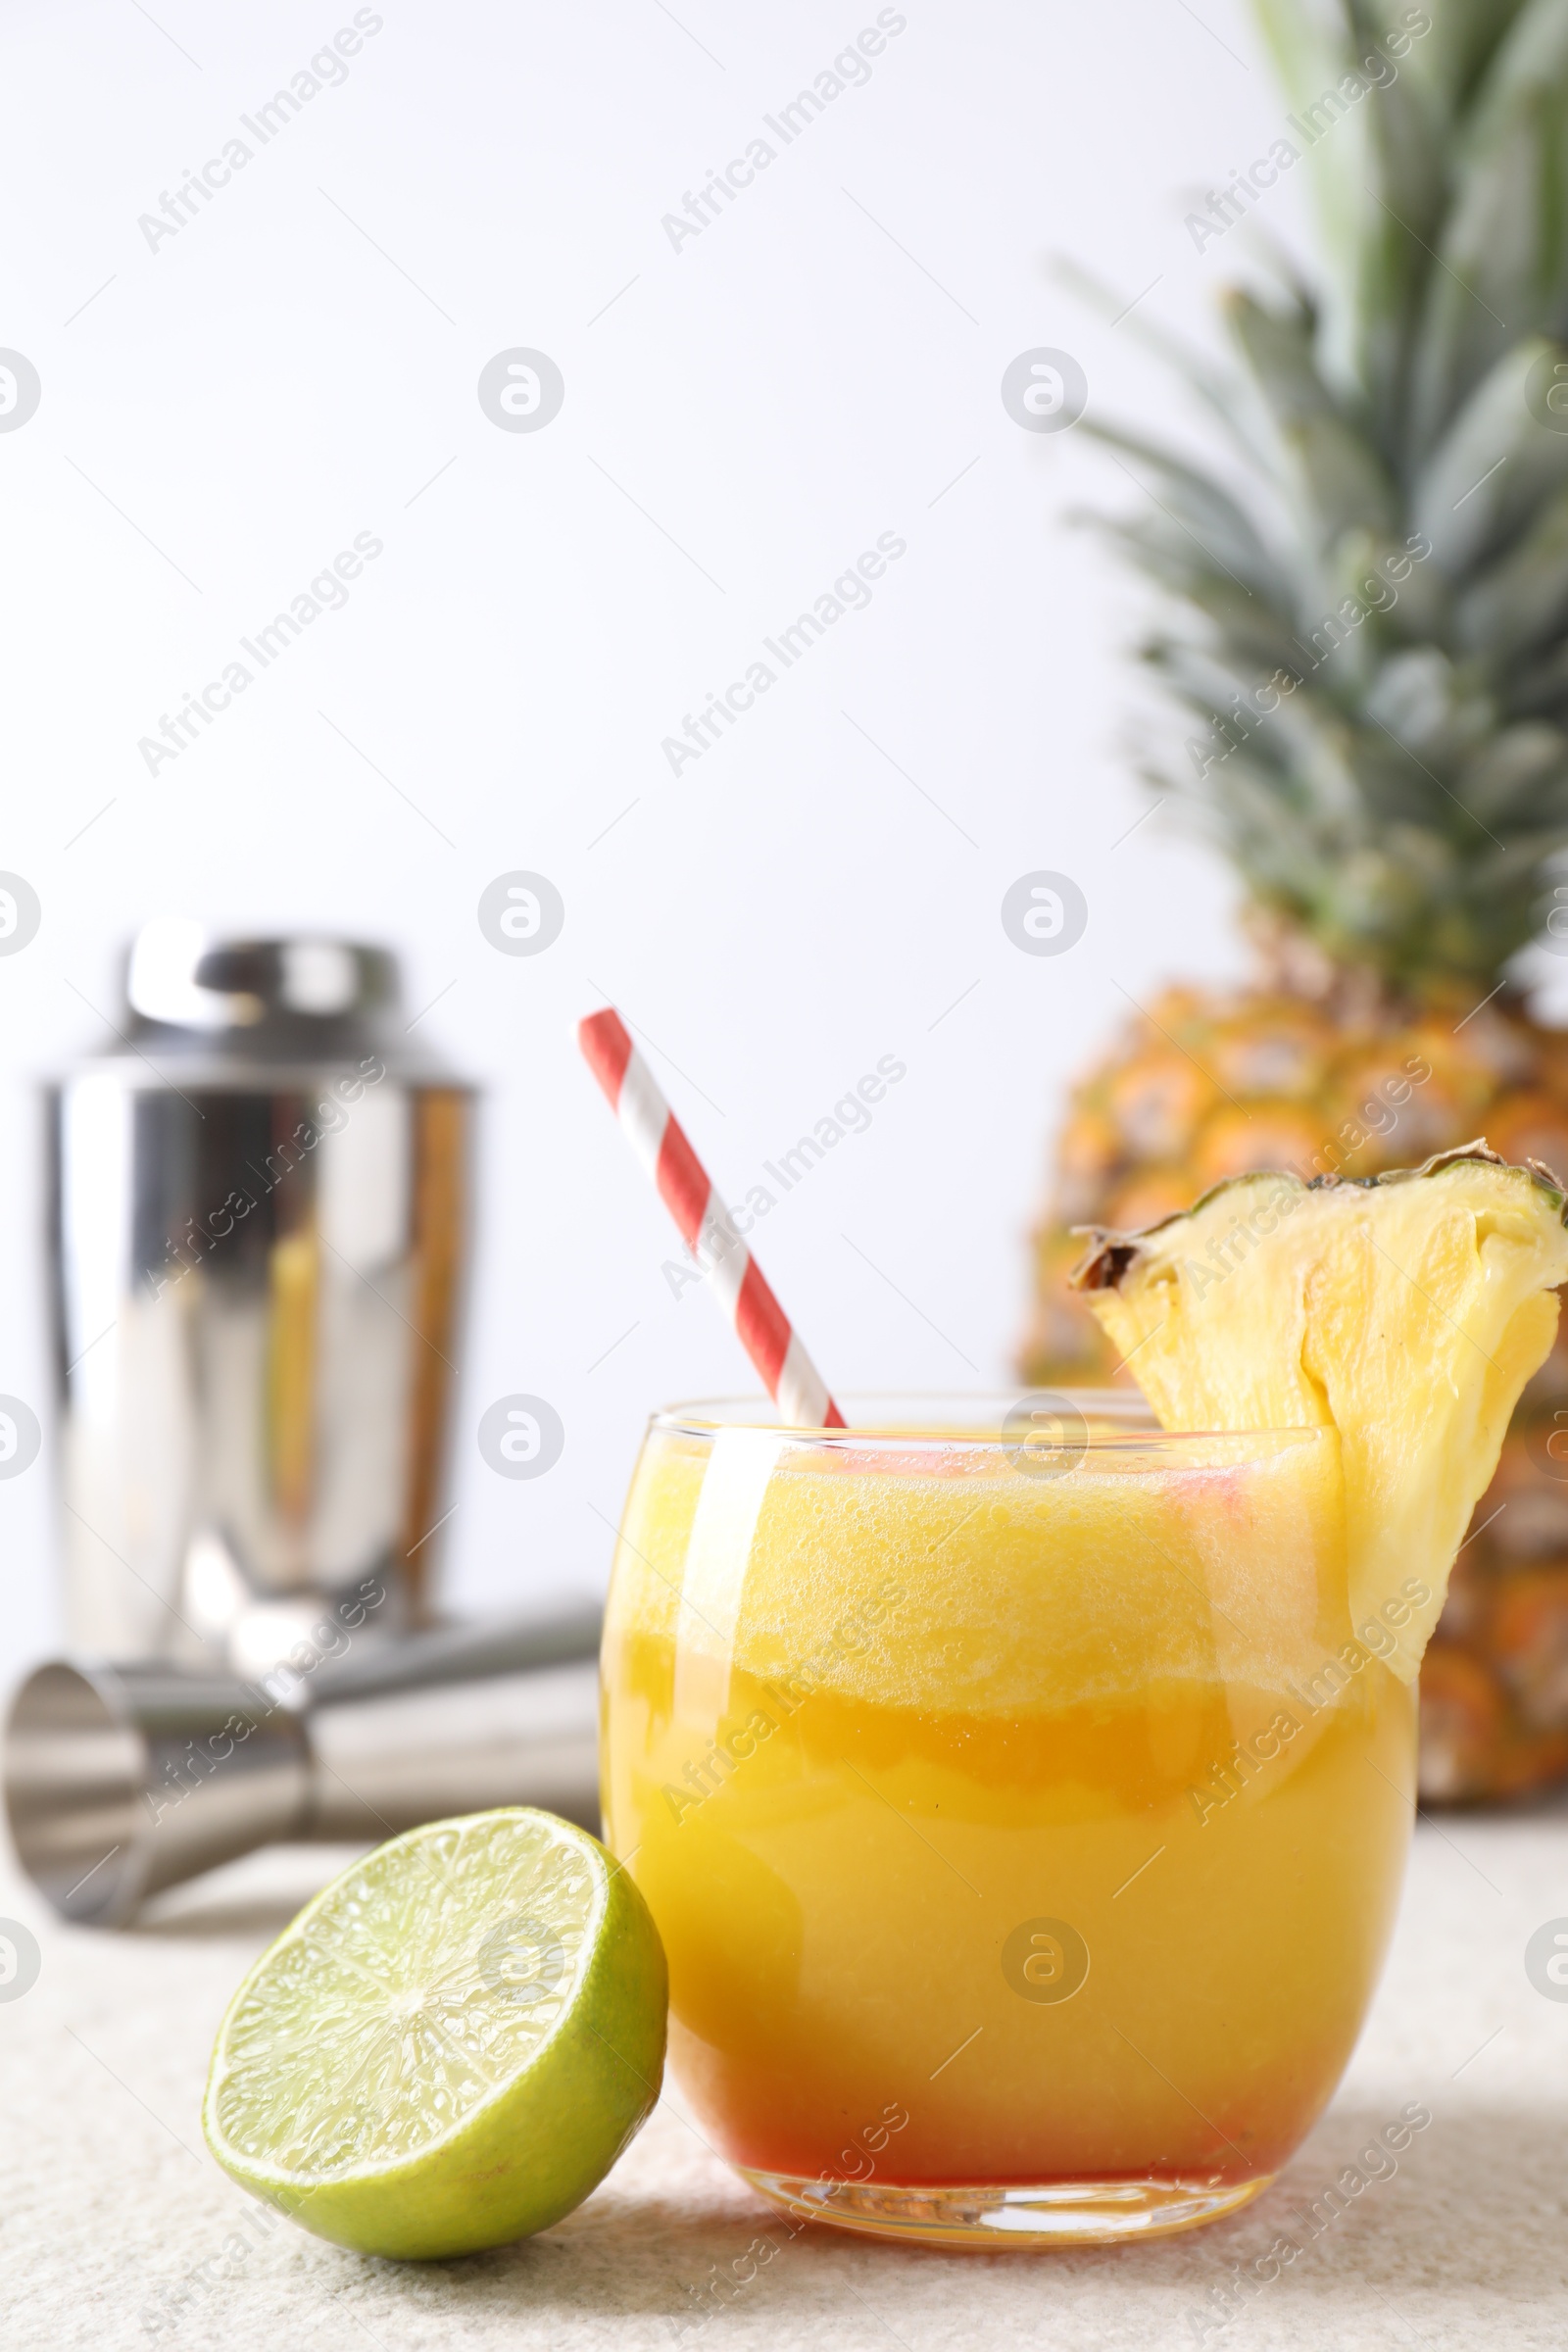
[1024,1821]
[1017,1845]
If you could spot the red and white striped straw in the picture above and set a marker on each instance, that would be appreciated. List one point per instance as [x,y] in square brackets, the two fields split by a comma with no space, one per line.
[655,1135]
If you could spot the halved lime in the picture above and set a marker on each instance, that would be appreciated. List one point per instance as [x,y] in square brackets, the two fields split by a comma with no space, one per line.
[451,2044]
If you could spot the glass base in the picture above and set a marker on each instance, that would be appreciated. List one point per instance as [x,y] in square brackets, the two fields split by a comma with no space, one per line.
[995,2220]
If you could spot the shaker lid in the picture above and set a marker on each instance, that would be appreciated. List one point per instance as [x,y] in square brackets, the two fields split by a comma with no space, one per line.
[182,976]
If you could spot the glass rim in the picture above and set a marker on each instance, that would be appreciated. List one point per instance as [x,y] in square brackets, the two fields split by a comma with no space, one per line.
[947,1419]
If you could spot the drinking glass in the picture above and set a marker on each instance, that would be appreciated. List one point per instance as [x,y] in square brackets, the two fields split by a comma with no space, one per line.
[1022,1813]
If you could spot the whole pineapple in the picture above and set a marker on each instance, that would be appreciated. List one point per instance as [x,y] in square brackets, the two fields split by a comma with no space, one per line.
[1369,634]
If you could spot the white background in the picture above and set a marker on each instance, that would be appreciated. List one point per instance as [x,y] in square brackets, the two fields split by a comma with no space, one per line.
[741,417]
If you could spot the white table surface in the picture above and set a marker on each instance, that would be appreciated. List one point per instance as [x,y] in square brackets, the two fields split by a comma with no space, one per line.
[116,2229]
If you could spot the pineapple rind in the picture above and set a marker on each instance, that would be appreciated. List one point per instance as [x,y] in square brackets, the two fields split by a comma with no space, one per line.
[1408,1310]
[1091,1273]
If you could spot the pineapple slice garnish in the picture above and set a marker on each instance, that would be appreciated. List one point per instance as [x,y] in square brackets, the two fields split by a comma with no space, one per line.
[1408,1310]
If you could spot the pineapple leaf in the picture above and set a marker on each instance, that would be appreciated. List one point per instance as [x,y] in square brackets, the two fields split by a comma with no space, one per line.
[1501,262]
[1451,58]
[1371,653]
[1541,689]
[1495,463]
[1186,361]
[1311,47]
[1205,512]
[1523,772]
[1342,478]
[1522,601]
[1403,195]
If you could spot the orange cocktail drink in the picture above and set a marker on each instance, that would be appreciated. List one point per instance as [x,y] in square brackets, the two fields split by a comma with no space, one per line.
[1023,1822]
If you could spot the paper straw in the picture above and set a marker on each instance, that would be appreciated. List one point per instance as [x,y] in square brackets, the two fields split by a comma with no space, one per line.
[655,1134]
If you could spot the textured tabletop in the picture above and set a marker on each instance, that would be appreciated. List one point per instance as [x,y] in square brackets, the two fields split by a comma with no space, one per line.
[117,2230]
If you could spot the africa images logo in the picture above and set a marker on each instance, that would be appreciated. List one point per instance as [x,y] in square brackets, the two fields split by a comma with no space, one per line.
[327,69]
[850,70]
[20,390]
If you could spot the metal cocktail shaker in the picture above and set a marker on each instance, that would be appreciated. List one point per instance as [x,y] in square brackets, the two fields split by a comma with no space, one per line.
[259,1205]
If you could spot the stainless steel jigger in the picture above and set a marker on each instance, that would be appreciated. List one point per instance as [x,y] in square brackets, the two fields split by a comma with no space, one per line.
[121,1779]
